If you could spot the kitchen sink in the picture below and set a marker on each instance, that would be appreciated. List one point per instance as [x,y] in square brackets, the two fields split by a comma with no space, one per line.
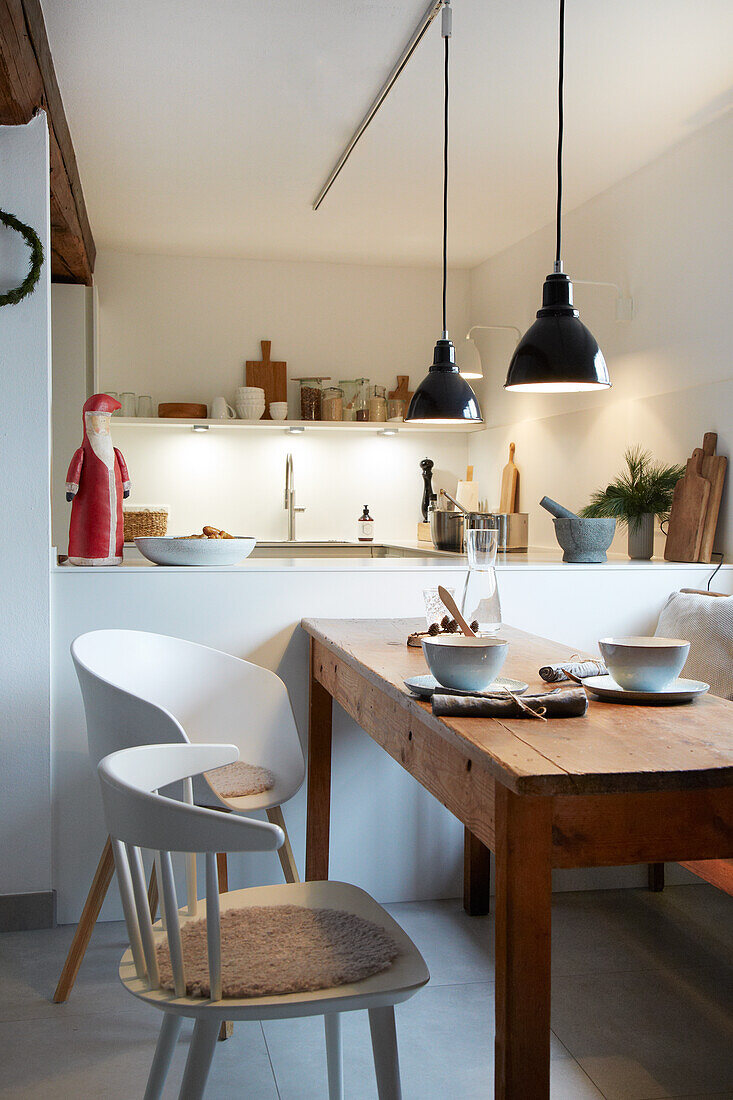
[335,549]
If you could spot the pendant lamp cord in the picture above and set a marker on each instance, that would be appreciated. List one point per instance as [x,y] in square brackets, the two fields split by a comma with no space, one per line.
[560,127]
[445,191]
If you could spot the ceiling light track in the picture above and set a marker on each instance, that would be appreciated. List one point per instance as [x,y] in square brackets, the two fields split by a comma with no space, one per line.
[413,42]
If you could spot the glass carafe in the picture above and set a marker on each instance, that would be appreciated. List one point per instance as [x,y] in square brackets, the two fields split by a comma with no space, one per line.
[480,601]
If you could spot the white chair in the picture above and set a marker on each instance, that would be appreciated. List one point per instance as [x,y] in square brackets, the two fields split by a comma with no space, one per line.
[138,817]
[141,688]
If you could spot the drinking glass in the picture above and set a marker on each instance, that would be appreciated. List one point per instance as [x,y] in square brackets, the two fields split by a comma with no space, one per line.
[480,602]
[435,609]
[145,405]
[128,401]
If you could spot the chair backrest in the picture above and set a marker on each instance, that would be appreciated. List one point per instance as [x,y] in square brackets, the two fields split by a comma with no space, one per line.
[138,817]
[143,688]
[706,622]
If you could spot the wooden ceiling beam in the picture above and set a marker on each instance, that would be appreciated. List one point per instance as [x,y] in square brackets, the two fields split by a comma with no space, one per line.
[28,84]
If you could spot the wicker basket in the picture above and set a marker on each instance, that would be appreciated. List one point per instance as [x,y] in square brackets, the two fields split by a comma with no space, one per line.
[139,522]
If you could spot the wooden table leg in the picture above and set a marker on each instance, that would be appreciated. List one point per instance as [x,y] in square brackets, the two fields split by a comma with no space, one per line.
[318,824]
[523,901]
[476,875]
[85,927]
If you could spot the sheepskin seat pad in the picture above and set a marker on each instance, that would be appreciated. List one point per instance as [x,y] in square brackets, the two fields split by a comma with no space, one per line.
[275,949]
[240,779]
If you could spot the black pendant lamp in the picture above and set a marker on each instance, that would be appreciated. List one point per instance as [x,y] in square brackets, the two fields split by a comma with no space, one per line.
[443,396]
[558,354]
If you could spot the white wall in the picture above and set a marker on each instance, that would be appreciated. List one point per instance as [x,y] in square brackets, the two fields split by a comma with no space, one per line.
[666,235]
[25,821]
[182,329]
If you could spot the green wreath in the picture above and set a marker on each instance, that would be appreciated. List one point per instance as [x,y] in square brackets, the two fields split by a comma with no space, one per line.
[12,297]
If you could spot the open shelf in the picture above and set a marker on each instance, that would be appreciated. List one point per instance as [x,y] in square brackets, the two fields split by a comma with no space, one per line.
[390,427]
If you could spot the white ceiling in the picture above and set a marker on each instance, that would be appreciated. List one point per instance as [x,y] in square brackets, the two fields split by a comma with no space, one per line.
[208,128]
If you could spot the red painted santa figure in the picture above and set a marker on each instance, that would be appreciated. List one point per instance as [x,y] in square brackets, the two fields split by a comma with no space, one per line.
[96,482]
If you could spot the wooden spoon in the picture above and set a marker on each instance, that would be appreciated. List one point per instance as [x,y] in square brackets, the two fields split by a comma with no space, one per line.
[450,604]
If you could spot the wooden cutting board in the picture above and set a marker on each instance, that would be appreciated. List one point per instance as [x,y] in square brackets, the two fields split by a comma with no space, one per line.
[687,518]
[467,492]
[269,375]
[509,496]
[714,469]
[402,393]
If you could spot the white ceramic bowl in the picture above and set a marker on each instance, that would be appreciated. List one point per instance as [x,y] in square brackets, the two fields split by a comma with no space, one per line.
[644,664]
[468,664]
[250,410]
[176,551]
[279,410]
[243,393]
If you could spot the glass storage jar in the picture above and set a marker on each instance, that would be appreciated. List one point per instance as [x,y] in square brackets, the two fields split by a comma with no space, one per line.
[332,403]
[395,409]
[311,394]
[362,400]
[350,390]
[378,404]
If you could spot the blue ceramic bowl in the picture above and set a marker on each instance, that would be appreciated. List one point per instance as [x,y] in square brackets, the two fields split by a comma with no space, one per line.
[468,664]
[644,664]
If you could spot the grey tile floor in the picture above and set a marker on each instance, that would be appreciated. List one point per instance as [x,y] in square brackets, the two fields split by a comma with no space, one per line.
[642,1009]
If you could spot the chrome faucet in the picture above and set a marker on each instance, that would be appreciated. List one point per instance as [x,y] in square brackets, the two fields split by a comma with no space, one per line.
[290,498]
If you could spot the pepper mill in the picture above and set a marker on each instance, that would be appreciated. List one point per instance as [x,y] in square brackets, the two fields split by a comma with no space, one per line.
[427,472]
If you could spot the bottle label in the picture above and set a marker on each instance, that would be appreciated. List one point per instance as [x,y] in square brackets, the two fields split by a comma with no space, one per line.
[365,529]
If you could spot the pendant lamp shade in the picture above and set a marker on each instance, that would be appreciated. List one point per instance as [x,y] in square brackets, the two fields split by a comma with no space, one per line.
[558,354]
[443,397]
[470,365]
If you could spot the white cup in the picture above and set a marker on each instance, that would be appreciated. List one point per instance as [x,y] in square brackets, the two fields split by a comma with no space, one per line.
[220,410]
[279,410]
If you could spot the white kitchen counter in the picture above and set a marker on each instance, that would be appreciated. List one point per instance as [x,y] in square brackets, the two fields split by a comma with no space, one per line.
[254,610]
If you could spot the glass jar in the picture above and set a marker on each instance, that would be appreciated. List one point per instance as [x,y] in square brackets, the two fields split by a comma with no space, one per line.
[311,393]
[332,403]
[395,409]
[480,601]
[362,400]
[350,391]
[378,404]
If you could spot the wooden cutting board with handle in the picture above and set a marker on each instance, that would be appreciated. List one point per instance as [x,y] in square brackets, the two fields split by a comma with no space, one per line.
[269,375]
[509,496]
[467,492]
[687,517]
[714,469]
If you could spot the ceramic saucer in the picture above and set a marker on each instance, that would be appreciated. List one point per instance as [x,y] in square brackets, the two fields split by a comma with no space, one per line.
[424,686]
[679,691]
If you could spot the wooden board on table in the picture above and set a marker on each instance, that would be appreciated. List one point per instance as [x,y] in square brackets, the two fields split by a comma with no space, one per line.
[402,393]
[509,496]
[269,375]
[614,748]
[687,517]
[467,492]
[713,468]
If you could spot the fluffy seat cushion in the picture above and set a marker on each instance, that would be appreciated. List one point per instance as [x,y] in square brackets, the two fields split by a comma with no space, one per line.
[706,622]
[240,779]
[268,950]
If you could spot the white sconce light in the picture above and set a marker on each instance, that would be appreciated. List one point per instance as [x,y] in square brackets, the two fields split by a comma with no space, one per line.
[469,357]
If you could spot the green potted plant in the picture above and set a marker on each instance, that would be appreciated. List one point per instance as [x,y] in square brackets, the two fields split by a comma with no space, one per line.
[640,493]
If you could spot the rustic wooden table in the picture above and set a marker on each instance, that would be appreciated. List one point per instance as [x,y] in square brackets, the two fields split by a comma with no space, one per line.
[625,784]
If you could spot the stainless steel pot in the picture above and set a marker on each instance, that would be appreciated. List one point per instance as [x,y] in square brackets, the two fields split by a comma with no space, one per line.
[446,530]
[512,527]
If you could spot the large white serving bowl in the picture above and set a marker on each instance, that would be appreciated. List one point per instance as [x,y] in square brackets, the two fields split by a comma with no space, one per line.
[468,664]
[644,664]
[168,550]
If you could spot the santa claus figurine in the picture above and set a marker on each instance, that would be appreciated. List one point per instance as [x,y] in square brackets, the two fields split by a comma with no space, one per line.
[96,482]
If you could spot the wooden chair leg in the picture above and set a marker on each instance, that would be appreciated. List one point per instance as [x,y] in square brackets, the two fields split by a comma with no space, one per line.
[153,893]
[85,927]
[655,872]
[386,1059]
[227,1027]
[163,1057]
[334,1056]
[287,859]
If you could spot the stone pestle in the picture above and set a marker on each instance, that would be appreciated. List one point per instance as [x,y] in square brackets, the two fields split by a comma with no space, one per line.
[557,510]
